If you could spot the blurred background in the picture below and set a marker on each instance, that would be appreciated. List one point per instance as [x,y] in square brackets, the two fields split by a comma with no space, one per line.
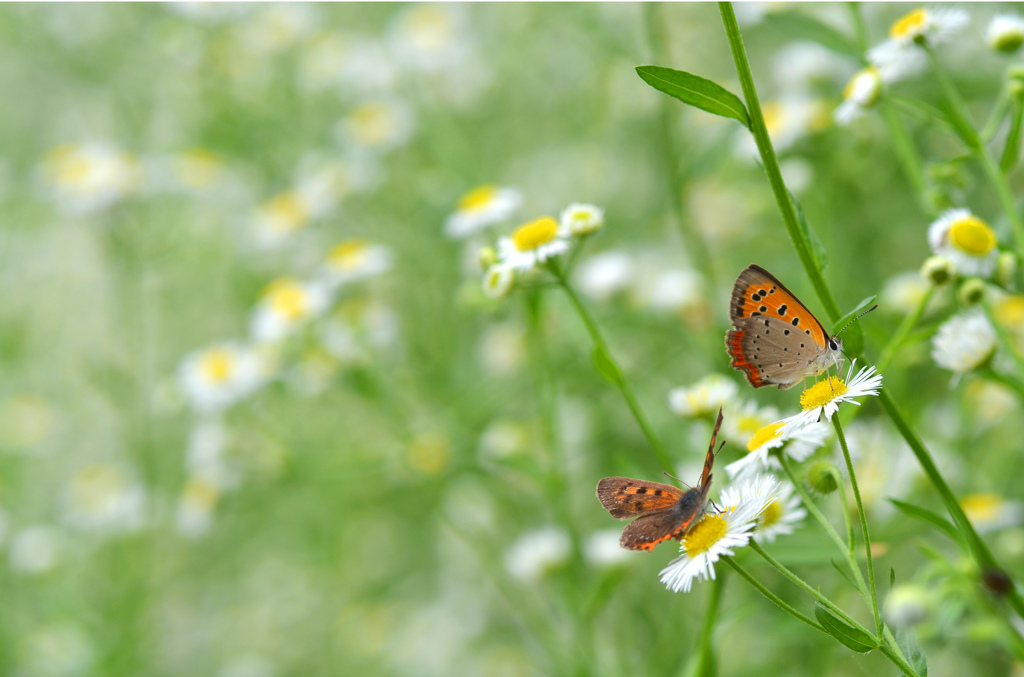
[258,417]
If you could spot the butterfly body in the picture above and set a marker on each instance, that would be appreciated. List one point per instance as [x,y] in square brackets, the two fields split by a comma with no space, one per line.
[662,510]
[775,339]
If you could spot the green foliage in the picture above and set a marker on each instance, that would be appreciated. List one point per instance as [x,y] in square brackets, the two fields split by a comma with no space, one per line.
[696,91]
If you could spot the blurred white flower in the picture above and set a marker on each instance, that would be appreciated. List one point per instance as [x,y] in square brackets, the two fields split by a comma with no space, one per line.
[377,126]
[601,549]
[248,666]
[355,260]
[57,650]
[26,422]
[104,498]
[965,240]
[1006,33]
[33,550]
[781,517]
[205,454]
[504,438]
[603,275]
[219,375]
[481,207]
[320,63]
[368,70]
[537,552]
[744,419]
[703,398]
[668,290]
[581,219]
[276,220]
[904,292]
[429,37]
[498,280]
[88,177]
[991,512]
[861,93]
[196,504]
[901,56]
[788,120]
[909,604]
[964,341]
[285,306]
[799,445]
[800,65]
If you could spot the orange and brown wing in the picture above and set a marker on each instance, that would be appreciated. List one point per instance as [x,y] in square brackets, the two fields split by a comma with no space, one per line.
[758,293]
[734,342]
[625,498]
[709,460]
[648,531]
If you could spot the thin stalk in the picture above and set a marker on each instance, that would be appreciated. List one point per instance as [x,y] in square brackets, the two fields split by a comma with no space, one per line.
[988,163]
[697,247]
[620,380]
[771,595]
[771,162]
[849,523]
[844,547]
[906,153]
[863,526]
[998,114]
[982,555]
[710,616]
[901,333]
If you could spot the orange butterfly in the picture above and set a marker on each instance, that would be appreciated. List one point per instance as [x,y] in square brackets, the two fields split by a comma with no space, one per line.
[662,510]
[775,339]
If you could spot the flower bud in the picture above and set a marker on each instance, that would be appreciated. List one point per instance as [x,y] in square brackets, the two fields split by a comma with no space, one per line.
[938,270]
[823,477]
[1006,269]
[487,257]
[972,291]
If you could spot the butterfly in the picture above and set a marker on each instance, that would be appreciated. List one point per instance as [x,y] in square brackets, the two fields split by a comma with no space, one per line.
[775,339]
[662,510]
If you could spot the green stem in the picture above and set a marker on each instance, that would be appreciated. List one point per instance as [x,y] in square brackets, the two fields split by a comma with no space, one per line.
[697,248]
[998,114]
[771,162]
[849,524]
[863,526]
[988,163]
[706,655]
[620,379]
[906,326]
[771,595]
[982,555]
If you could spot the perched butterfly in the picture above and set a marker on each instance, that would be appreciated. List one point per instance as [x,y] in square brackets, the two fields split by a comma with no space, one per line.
[662,510]
[775,340]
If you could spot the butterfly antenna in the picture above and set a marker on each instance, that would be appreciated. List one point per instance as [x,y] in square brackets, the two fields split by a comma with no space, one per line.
[676,479]
[854,320]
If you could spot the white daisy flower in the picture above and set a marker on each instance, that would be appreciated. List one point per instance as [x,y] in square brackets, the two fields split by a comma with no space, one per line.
[990,512]
[219,375]
[900,56]
[964,341]
[429,37]
[965,240]
[276,220]
[102,497]
[537,552]
[1006,33]
[498,280]
[34,549]
[781,517]
[532,243]
[581,219]
[718,535]
[481,207]
[861,93]
[704,397]
[286,305]
[377,126]
[788,120]
[670,290]
[86,177]
[799,445]
[824,397]
[355,260]
[744,419]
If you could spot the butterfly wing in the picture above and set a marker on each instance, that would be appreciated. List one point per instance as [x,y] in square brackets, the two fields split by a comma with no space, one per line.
[625,497]
[775,339]
[648,531]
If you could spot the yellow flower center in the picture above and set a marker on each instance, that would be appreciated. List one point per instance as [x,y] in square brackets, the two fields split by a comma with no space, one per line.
[982,507]
[764,436]
[910,25]
[770,515]
[823,392]
[348,255]
[200,493]
[217,365]
[287,212]
[972,235]
[705,534]
[287,298]
[198,167]
[747,423]
[477,199]
[1010,311]
[535,233]
[862,79]
[373,123]
[430,28]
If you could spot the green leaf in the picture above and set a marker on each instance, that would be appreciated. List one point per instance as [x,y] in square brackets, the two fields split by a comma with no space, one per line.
[961,126]
[911,651]
[857,310]
[848,635]
[892,577]
[928,516]
[843,573]
[1011,151]
[802,26]
[853,336]
[818,251]
[605,366]
[696,91]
